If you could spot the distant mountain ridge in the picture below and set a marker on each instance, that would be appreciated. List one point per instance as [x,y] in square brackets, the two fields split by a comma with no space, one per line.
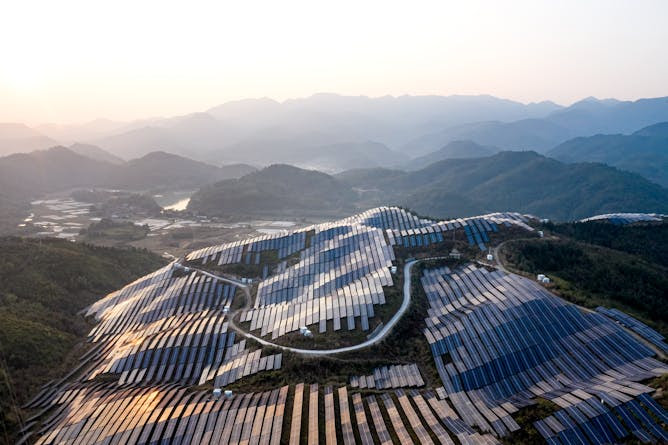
[454,150]
[644,152]
[584,118]
[19,138]
[334,133]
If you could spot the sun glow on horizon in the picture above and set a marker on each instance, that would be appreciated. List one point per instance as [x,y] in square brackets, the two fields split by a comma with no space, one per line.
[78,60]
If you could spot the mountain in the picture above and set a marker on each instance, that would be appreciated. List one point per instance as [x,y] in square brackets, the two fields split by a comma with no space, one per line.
[526,134]
[644,152]
[521,181]
[25,176]
[312,151]
[249,130]
[19,138]
[160,169]
[592,116]
[139,142]
[453,150]
[541,133]
[659,130]
[276,190]
[57,168]
[387,119]
[94,152]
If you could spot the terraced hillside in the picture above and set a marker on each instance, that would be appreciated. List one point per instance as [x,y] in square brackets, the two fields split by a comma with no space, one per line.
[271,322]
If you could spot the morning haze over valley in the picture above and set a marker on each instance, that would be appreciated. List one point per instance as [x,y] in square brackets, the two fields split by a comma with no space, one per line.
[351,222]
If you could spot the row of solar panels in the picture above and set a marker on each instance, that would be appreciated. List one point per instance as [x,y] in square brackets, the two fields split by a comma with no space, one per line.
[154,298]
[340,276]
[625,218]
[314,276]
[300,414]
[601,418]
[500,341]
[286,243]
[476,230]
[385,377]
[347,303]
[167,327]
[636,326]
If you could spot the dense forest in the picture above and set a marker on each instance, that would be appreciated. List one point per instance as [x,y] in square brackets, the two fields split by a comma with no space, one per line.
[598,263]
[45,283]
[649,241]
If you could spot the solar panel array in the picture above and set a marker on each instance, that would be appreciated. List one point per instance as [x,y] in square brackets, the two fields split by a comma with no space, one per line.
[603,416]
[394,376]
[340,274]
[104,413]
[500,340]
[636,326]
[625,218]
[167,327]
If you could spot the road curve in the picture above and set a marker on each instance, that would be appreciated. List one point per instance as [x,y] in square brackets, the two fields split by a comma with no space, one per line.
[372,341]
[319,352]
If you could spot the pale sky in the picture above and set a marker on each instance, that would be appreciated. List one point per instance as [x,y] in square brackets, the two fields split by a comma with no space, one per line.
[73,61]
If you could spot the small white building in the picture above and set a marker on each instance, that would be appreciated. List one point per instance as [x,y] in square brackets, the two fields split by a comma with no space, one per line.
[540,277]
[545,280]
[490,257]
[226,309]
[540,234]
[217,392]
[228,394]
[393,269]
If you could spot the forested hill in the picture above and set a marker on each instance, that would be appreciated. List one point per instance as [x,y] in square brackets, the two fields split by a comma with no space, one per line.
[276,190]
[45,283]
[518,181]
[600,264]
[507,181]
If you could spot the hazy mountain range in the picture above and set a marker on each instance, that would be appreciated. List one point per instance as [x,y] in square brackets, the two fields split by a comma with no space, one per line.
[25,175]
[333,133]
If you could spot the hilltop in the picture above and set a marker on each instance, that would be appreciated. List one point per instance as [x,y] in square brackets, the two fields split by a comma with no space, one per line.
[276,190]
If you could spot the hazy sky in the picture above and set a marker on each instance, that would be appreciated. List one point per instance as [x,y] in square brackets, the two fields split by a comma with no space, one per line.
[70,61]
